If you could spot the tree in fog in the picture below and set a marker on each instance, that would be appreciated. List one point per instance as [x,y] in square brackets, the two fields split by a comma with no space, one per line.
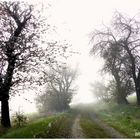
[129,29]
[109,92]
[100,91]
[59,89]
[118,45]
[20,54]
[116,63]
[17,46]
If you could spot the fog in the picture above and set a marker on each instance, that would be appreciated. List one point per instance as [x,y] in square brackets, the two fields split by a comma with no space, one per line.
[74,22]
[70,69]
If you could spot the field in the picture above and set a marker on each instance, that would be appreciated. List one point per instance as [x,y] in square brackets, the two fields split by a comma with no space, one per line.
[125,119]
[83,121]
[56,126]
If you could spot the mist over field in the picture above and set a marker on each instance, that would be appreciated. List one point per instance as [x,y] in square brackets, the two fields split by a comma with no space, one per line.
[69,69]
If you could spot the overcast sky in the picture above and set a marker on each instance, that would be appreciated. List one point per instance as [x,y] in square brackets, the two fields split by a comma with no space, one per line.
[75,20]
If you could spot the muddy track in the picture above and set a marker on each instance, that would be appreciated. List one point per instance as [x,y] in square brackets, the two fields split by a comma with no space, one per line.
[77,132]
[108,129]
[76,129]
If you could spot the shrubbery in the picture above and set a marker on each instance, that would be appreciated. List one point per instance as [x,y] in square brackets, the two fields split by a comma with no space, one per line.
[19,119]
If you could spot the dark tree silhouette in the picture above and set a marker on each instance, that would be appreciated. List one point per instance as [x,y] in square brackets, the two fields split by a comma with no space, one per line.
[20,52]
[117,60]
[59,89]
[129,30]
[16,43]
[117,64]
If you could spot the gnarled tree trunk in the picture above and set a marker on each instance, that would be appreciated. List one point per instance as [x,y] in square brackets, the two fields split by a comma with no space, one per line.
[5,116]
[120,96]
[138,94]
[122,100]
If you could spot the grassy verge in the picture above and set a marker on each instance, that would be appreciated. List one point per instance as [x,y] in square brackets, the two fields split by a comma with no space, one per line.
[61,127]
[91,129]
[125,119]
[57,126]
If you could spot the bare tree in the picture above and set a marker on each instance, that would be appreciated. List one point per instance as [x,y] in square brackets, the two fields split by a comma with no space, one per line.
[59,89]
[117,63]
[117,60]
[129,30]
[17,47]
[101,91]
[20,52]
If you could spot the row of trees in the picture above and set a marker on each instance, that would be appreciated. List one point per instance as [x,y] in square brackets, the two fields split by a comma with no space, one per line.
[119,46]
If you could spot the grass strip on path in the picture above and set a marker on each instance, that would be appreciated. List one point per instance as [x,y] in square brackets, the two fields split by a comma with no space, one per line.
[125,119]
[91,129]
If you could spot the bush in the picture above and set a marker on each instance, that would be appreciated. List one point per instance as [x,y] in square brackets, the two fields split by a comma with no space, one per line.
[19,119]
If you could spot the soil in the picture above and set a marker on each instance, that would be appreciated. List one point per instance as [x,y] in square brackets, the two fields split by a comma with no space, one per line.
[108,129]
[76,129]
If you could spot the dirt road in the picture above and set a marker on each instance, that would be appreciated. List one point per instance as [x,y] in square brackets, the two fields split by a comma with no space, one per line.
[78,133]
[108,129]
[76,129]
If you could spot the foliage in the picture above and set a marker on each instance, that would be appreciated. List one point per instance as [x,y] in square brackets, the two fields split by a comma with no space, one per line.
[19,119]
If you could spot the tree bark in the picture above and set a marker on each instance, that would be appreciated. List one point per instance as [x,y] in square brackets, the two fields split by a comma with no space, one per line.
[122,100]
[5,117]
[138,95]
[121,97]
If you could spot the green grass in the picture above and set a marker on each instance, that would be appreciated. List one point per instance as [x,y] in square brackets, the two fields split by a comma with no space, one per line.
[30,131]
[56,126]
[91,129]
[61,127]
[125,119]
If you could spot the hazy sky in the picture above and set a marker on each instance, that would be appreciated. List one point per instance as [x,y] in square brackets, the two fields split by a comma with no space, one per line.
[74,20]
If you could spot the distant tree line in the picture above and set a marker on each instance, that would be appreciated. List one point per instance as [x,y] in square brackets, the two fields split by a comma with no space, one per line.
[119,46]
[60,88]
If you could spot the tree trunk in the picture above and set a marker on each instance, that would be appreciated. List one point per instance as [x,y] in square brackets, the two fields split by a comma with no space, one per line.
[5,117]
[138,95]
[122,100]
